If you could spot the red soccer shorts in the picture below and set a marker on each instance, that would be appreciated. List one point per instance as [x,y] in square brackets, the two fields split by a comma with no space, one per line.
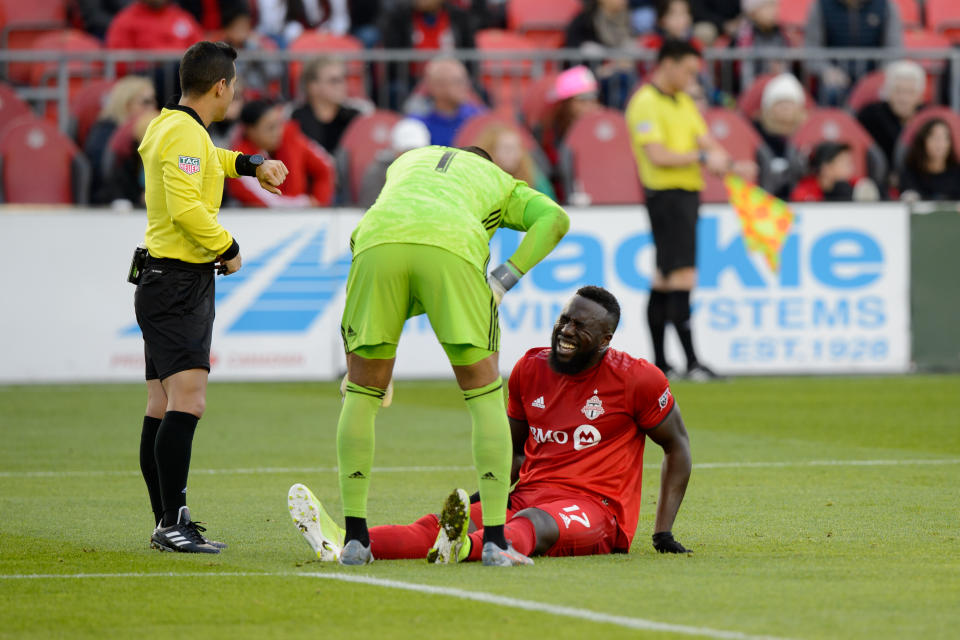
[586,526]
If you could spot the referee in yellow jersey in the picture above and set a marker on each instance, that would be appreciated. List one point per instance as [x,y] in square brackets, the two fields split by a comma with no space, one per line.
[174,301]
[670,141]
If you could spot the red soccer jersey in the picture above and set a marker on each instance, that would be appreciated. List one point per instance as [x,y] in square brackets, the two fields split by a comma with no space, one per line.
[587,430]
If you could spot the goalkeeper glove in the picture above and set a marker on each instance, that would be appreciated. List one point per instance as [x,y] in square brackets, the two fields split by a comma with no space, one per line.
[502,279]
[664,543]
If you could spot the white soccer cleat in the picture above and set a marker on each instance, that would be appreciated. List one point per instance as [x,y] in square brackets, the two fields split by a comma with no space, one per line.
[494,556]
[312,520]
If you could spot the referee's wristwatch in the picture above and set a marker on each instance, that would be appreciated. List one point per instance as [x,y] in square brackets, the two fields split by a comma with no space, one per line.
[247,165]
[256,160]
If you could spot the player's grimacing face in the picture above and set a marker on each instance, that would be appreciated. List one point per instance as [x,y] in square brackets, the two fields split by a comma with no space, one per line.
[580,336]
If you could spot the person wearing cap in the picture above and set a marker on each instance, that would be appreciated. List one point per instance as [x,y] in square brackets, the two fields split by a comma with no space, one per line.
[266,130]
[782,111]
[448,87]
[407,134]
[671,141]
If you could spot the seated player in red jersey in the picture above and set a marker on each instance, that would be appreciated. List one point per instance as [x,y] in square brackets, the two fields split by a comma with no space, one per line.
[580,413]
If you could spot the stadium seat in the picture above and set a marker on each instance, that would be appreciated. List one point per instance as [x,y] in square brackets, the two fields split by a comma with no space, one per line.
[21,22]
[793,18]
[943,16]
[11,106]
[544,23]
[866,90]
[749,102]
[363,138]
[505,81]
[740,140]
[596,159]
[44,74]
[836,125]
[471,130]
[911,128]
[909,13]
[537,99]
[38,164]
[330,44]
[927,40]
[85,107]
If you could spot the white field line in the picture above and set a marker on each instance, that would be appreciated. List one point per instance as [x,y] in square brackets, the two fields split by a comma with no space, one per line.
[431,469]
[475,596]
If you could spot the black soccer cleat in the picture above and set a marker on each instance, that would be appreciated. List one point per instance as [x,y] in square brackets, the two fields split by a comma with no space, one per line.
[184,537]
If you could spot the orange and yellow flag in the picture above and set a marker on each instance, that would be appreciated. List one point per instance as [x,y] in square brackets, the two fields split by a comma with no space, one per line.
[766,220]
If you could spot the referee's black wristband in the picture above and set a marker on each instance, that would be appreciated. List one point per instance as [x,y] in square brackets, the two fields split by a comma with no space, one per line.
[244,166]
[232,252]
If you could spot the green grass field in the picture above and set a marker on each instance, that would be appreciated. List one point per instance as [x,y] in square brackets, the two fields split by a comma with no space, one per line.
[782,548]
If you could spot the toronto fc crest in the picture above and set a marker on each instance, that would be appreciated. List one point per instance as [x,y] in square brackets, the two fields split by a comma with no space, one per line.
[594,407]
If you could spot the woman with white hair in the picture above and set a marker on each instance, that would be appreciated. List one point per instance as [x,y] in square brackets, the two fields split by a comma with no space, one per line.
[904,87]
[782,111]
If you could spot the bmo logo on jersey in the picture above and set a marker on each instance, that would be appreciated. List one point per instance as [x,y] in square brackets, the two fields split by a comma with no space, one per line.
[584,437]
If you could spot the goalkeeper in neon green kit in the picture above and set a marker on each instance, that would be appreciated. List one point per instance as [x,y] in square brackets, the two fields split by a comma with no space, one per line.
[423,247]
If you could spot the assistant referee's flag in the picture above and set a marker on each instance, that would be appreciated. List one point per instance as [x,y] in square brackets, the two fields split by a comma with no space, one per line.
[766,220]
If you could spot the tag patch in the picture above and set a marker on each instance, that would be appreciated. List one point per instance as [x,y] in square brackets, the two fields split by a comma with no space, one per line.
[189,165]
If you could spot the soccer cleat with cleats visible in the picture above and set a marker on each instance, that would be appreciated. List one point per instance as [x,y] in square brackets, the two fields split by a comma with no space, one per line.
[494,556]
[453,542]
[184,536]
[354,554]
[312,520]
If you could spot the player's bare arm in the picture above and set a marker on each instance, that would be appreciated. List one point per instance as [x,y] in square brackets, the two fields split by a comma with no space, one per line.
[671,435]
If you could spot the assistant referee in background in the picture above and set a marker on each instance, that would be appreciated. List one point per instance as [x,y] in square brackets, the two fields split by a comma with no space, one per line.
[174,301]
[670,141]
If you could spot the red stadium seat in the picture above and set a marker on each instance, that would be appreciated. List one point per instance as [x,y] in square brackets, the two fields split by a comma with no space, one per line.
[866,90]
[537,99]
[21,22]
[911,128]
[943,16]
[330,44]
[836,125]
[909,13]
[750,100]
[740,140]
[11,106]
[38,164]
[793,18]
[363,138]
[543,22]
[505,81]
[927,40]
[78,71]
[596,159]
[85,107]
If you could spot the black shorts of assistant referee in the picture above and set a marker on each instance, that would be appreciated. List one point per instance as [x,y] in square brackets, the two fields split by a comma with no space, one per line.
[673,220]
[175,308]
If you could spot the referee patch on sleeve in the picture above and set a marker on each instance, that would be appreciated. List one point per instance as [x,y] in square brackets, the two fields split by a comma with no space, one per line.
[189,165]
[644,126]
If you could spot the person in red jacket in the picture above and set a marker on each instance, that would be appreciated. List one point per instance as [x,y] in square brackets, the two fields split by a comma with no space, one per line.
[153,24]
[265,129]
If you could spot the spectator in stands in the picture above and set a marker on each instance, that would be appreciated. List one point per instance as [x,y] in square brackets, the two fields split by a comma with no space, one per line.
[759,29]
[674,21]
[904,86]
[603,25]
[831,165]
[94,16]
[574,94]
[448,87]
[932,171]
[643,15]
[324,116]
[424,25]
[153,24]
[260,79]
[363,21]
[267,131]
[850,23]
[782,111]
[712,18]
[212,15]
[406,135]
[506,148]
[129,97]
[285,20]
[122,166]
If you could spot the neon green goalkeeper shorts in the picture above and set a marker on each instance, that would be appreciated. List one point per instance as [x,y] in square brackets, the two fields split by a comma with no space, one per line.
[389,283]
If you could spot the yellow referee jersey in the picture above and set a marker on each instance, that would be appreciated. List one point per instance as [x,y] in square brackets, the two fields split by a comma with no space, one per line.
[672,121]
[184,173]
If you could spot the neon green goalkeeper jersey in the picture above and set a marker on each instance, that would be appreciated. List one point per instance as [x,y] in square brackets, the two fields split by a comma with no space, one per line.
[447,198]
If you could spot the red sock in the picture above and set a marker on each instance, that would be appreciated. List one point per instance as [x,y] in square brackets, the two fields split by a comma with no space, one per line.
[519,532]
[399,542]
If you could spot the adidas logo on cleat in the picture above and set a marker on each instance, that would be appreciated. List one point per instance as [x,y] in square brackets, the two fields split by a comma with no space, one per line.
[538,403]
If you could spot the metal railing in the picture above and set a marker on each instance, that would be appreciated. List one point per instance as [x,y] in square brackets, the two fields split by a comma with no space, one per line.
[388,78]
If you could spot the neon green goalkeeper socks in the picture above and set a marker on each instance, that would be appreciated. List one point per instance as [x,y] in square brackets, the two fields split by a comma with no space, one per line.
[355,444]
[491,449]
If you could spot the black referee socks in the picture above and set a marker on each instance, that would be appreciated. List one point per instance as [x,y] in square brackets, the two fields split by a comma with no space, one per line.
[148,464]
[173,446]
[678,309]
[657,319]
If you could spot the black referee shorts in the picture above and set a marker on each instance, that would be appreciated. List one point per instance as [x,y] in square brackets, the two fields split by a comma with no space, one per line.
[673,220]
[174,303]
